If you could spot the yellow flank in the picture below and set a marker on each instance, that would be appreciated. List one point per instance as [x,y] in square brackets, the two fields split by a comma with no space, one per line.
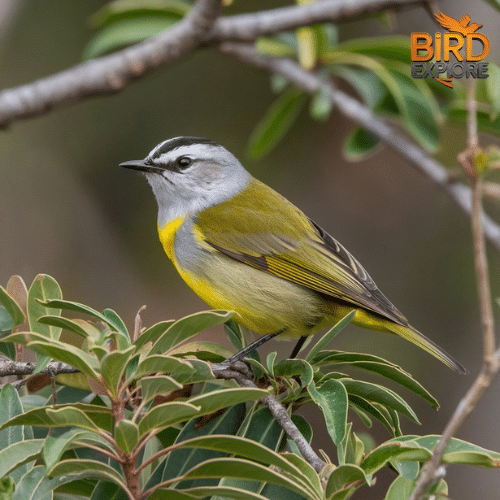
[167,235]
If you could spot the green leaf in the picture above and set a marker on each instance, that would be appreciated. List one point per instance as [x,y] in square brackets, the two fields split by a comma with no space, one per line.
[360,144]
[321,105]
[187,327]
[392,450]
[88,469]
[206,351]
[307,44]
[181,460]
[153,333]
[55,446]
[493,88]
[330,335]
[400,489]
[43,288]
[125,9]
[379,394]
[163,364]
[342,477]
[126,32]
[243,469]
[113,367]
[78,413]
[331,397]
[274,47]
[457,451]
[157,385]
[276,122]
[65,323]
[234,334]
[81,308]
[167,414]
[375,410]
[377,365]
[127,436]
[19,453]
[456,113]
[7,488]
[120,327]
[213,492]
[253,451]
[107,491]
[15,315]
[392,48]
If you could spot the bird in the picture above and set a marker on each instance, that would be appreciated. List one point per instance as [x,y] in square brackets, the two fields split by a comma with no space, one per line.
[452,24]
[242,246]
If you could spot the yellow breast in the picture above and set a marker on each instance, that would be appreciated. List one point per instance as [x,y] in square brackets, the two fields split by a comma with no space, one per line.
[167,235]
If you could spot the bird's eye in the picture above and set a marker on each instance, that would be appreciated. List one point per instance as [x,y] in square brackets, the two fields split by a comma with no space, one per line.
[183,162]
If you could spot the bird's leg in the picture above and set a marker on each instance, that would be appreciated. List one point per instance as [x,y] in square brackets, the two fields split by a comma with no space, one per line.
[298,346]
[251,347]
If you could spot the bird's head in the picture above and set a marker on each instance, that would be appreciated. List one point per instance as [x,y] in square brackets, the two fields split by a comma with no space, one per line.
[189,174]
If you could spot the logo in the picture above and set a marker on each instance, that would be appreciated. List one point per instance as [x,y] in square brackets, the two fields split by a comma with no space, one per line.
[458,42]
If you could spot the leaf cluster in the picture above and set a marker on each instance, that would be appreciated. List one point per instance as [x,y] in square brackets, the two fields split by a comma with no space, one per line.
[149,417]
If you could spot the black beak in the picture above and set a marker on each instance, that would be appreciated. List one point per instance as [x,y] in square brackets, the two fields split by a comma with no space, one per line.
[141,166]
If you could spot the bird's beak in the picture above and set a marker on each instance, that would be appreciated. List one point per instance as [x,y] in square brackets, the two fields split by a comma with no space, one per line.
[141,166]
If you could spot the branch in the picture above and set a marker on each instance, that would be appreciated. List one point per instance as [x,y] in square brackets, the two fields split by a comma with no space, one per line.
[279,413]
[110,74]
[10,368]
[248,27]
[352,108]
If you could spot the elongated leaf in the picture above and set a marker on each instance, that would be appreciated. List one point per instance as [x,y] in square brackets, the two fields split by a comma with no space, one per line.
[43,288]
[330,335]
[207,351]
[307,44]
[157,385]
[127,435]
[377,365]
[183,459]
[167,414]
[126,32]
[391,450]
[243,469]
[187,327]
[126,9]
[55,446]
[321,105]
[400,489]
[331,397]
[457,113]
[457,450]
[163,364]
[153,333]
[120,326]
[88,469]
[108,491]
[379,394]
[234,334]
[342,477]
[80,308]
[360,144]
[250,449]
[99,415]
[113,367]
[274,47]
[392,48]
[375,410]
[275,123]
[15,313]
[17,454]
[61,322]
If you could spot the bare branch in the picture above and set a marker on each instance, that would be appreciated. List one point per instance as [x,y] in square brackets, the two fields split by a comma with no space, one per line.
[363,115]
[279,413]
[248,27]
[110,74]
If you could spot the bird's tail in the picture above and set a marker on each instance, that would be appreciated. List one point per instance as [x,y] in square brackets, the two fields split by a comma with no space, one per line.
[413,335]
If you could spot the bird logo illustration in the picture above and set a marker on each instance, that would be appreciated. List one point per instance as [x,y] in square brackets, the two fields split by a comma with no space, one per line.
[451,24]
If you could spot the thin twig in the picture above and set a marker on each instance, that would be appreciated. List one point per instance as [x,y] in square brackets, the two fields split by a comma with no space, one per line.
[491,359]
[279,413]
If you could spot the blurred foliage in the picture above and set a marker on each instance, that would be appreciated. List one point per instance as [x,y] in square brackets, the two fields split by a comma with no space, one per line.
[149,417]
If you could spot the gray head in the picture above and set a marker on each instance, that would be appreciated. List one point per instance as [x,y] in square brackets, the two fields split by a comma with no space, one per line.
[190,174]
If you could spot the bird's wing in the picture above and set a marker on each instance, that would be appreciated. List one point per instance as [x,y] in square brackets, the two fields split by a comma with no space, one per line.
[448,22]
[464,20]
[264,230]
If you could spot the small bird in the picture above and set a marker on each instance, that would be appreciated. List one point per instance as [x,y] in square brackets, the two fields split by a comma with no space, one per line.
[451,24]
[241,246]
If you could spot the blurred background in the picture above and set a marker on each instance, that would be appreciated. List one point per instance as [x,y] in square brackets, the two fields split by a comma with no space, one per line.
[67,210]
